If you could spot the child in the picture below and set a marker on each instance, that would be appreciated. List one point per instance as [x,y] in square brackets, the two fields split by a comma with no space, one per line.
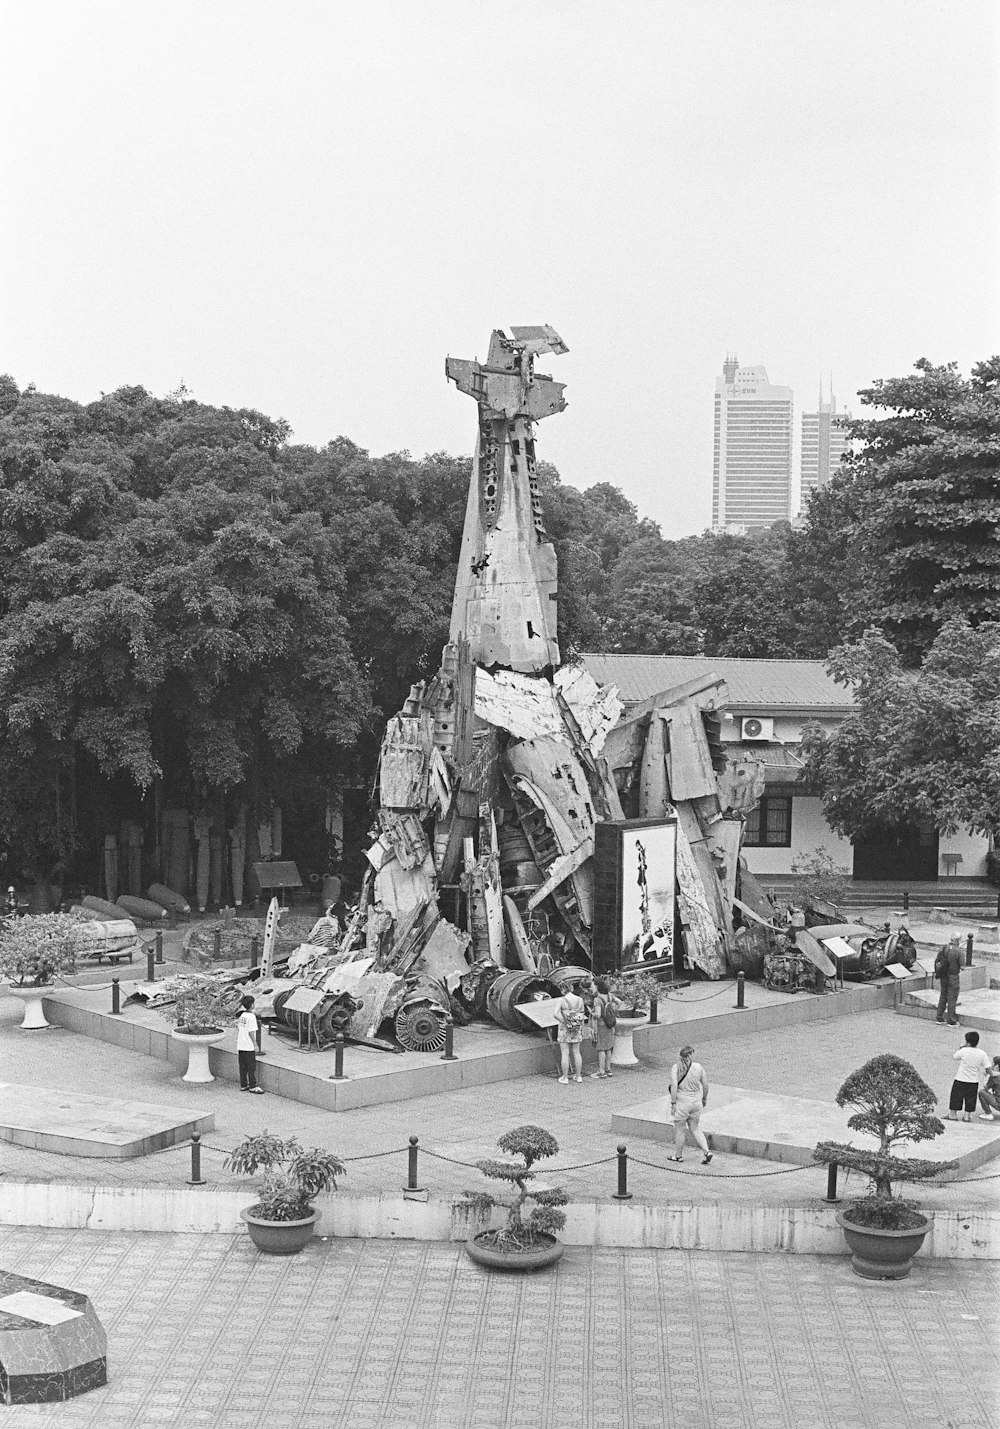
[602,1019]
[246,1047]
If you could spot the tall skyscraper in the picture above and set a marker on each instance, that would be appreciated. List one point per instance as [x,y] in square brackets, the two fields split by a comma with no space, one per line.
[752,464]
[824,440]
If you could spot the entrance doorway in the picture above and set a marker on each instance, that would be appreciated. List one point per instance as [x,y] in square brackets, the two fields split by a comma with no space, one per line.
[906,853]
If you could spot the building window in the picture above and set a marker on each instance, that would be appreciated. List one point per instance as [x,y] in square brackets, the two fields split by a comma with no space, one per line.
[770,824]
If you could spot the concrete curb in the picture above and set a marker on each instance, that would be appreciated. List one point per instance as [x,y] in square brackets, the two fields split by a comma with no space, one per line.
[799,1230]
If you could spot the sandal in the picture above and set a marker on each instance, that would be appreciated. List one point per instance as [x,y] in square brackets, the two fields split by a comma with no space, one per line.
[675,1158]
[706,1158]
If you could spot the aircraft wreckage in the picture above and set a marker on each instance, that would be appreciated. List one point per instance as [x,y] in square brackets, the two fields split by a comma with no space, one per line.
[528,834]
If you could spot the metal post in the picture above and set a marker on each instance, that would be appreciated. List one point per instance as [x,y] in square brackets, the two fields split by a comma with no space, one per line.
[159,947]
[116,996]
[654,1012]
[623,1193]
[217,945]
[741,991]
[197,1179]
[411,1169]
[150,968]
[906,900]
[338,1059]
[254,953]
[831,1183]
[448,1055]
[968,951]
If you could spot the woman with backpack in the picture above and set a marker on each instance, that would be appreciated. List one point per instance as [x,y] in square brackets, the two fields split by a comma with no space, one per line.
[602,1021]
[571,1016]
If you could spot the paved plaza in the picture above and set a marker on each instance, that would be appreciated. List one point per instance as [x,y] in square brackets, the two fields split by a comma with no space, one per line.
[204,1331]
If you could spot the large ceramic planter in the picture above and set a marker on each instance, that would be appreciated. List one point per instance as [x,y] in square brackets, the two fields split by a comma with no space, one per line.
[538,1258]
[623,1053]
[880,1254]
[279,1237]
[198,1044]
[31,997]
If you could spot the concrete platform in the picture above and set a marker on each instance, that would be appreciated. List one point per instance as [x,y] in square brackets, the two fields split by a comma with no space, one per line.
[978,1008]
[775,1128]
[486,1054]
[77,1124]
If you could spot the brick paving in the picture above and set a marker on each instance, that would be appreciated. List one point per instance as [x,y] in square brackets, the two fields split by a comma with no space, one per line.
[401,1335]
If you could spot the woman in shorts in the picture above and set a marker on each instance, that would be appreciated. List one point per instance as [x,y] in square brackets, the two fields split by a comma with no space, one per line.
[688,1098]
[571,1017]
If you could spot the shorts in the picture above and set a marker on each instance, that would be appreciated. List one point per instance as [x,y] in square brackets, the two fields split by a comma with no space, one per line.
[963,1096]
[688,1115]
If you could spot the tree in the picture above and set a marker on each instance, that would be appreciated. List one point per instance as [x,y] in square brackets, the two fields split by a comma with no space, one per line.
[895,1105]
[928,478]
[918,746]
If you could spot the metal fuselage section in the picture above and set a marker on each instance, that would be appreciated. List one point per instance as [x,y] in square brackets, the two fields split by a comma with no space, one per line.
[505,590]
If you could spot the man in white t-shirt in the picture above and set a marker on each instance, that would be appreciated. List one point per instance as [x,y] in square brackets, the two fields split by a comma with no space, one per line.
[973,1066]
[246,1047]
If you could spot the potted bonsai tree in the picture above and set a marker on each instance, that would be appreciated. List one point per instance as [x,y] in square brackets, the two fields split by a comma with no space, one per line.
[884,1231]
[282,1218]
[523,1242]
[33,949]
[200,1011]
[632,993]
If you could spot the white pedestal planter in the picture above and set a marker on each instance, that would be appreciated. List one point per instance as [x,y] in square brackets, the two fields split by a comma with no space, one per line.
[31,997]
[198,1044]
[623,1053]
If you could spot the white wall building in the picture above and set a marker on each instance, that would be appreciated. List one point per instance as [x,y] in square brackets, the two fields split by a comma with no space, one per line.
[752,453]
[769,703]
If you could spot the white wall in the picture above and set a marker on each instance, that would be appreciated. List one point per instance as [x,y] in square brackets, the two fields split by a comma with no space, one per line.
[972,847]
[810,831]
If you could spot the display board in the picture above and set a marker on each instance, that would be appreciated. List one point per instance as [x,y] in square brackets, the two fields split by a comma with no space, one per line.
[635,895]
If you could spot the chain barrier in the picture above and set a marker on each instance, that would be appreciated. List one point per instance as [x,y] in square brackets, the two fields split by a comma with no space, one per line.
[679,995]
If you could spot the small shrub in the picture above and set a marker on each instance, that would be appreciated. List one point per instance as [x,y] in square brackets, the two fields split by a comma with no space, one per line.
[519,1231]
[37,946]
[819,878]
[634,991]
[292,1176]
[204,1005]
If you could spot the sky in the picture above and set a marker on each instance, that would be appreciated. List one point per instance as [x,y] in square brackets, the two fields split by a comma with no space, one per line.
[304,208]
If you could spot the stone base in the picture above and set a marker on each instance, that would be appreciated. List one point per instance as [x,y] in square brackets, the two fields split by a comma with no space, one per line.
[746,1123]
[76,1124]
[52,1345]
[978,1008]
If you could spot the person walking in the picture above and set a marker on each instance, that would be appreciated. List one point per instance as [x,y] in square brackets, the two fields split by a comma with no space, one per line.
[688,1099]
[246,1047]
[973,1066]
[948,967]
[989,1094]
[571,1015]
[603,1018]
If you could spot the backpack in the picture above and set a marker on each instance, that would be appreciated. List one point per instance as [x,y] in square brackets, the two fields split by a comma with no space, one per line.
[941,963]
[609,1016]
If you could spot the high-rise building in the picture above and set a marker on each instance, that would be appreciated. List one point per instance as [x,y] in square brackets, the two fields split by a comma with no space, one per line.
[824,441]
[752,464]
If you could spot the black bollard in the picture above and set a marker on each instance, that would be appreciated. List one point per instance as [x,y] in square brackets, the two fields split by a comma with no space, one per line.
[906,901]
[654,1012]
[116,997]
[411,1168]
[338,1059]
[159,947]
[831,1183]
[197,1179]
[150,968]
[254,954]
[741,991]
[968,951]
[623,1193]
[448,1055]
[217,945]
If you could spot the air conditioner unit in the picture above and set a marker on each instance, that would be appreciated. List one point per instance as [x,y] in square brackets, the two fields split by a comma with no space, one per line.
[753,728]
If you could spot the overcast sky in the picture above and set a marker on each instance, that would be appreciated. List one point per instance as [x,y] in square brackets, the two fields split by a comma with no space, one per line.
[304,207]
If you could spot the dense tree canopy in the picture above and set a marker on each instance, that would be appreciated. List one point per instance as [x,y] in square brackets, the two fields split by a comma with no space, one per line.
[919,746]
